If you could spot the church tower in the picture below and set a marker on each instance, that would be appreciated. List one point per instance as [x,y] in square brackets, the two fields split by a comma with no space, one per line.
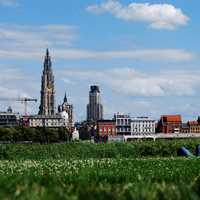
[47,104]
[68,108]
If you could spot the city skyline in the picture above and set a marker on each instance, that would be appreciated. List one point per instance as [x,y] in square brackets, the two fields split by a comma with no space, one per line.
[144,65]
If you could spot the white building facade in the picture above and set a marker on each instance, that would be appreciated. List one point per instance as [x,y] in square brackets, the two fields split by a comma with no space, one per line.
[75,134]
[123,124]
[9,118]
[46,121]
[143,125]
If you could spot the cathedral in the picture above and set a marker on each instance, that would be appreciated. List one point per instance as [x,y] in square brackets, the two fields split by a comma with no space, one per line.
[68,108]
[47,111]
[47,104]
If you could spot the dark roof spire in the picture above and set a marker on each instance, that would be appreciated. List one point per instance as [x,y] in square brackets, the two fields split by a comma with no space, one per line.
[65,98]
[47,52]
[47,61]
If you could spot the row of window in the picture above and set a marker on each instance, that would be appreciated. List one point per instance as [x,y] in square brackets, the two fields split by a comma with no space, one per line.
[105,130]
[123,121]
[143,130]
[148,128]
[195,129]
[143,125]
[48,123]
[41,120]
[123,129]
[8,117]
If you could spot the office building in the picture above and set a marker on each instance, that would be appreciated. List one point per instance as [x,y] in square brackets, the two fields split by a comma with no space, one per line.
[94,108]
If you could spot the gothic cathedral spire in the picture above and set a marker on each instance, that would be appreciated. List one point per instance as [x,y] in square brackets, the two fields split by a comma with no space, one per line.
[65,98]
[47,104]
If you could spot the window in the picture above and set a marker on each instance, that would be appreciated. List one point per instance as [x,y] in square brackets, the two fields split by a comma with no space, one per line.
[126,122]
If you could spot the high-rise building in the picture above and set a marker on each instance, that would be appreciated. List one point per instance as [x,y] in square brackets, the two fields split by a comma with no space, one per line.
[47,106]
[94,108]
[68,108]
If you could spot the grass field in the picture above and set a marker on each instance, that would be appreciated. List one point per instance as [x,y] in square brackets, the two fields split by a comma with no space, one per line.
[80,171]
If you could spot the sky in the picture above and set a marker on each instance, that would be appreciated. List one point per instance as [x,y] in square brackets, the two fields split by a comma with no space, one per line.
[144,54]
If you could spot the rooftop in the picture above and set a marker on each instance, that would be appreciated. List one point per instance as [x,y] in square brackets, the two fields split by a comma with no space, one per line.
[171,118]
[45,117]
[142,119]
[106,121]
[190,123]
[8,113]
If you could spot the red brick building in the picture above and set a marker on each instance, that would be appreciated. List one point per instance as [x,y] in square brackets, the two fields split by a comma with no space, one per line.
[169,124]
[106,127]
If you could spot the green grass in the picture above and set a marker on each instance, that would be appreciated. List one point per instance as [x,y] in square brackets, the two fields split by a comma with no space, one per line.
[151,178]
[139,170]
[165,148]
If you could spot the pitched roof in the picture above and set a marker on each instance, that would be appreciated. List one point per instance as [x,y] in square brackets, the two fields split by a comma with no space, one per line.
[172,118]
[192,123]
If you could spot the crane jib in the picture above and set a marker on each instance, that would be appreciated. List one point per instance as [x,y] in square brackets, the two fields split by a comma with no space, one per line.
[24,100]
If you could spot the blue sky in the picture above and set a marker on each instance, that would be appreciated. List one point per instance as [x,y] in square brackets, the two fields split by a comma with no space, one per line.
[143,54]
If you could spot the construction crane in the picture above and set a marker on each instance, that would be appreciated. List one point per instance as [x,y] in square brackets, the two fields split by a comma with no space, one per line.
[23,100]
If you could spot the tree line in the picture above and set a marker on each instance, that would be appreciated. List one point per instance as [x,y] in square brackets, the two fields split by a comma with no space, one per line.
[35,135]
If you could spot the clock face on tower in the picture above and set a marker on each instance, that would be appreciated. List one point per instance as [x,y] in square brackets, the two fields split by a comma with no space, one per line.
[50,88]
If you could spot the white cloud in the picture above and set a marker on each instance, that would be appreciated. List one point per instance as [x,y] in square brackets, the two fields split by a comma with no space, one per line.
[8,2]
[169,55]
[29,42]
[10,74]
[127,81]
[159,16]
[10,80]
[23,37]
